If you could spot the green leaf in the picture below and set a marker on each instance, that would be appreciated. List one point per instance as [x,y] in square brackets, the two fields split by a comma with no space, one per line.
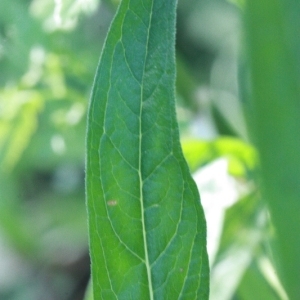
[274,47]
[146,225]
[18,121]
[243,231]
[89,291]
[255,286]
[242,156]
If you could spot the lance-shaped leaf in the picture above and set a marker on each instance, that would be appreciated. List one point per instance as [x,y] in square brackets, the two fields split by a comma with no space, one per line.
[146,225]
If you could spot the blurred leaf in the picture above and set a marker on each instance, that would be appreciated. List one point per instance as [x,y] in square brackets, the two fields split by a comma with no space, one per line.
[219,191]
[18,33]
[240,3]
[255,286]
[44,83]
[243,232]
[18,121]
[89,292]
[185,84]
[13,223]
[242,156]
[61,14]
[223,125]
[58,139]
[197,153]
[143,204]
[274,47]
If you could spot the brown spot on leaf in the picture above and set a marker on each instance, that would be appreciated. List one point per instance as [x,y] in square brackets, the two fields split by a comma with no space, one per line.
[112,202]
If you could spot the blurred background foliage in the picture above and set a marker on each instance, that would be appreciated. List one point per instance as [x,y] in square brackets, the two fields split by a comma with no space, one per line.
[49,50]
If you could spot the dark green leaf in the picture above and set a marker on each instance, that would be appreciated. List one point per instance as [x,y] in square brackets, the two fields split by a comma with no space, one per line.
[147,228]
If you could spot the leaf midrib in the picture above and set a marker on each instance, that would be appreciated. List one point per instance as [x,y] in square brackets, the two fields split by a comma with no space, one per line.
[147,263]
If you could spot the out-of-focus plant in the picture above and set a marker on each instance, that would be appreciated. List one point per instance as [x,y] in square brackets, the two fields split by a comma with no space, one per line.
[274,45]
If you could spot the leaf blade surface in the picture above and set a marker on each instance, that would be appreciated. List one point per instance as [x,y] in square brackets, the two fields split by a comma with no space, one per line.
[147,228]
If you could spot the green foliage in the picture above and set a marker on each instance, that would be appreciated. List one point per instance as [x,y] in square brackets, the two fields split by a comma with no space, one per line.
[89,294]
[147,228]
[43,91]
[242,156]
[18,121]
[274,46]
[48,55]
